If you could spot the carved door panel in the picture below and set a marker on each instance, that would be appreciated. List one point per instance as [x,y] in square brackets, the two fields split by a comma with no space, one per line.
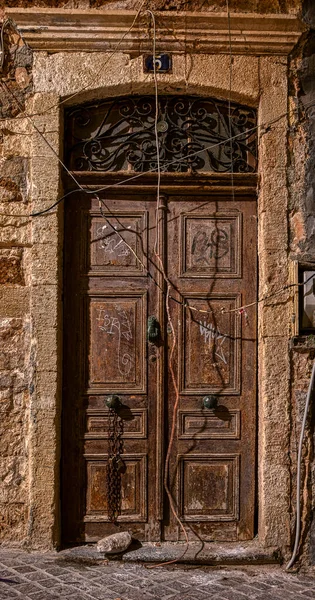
[111,287]
[108,297]
[212,263]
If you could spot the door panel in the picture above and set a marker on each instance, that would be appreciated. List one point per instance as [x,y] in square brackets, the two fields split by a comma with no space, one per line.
[212,264]
[221,474]
[112,286]
[210,245]
[216,337]
[110,255]
[117,326]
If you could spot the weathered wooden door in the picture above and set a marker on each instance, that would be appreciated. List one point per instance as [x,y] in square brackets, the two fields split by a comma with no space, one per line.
[113,283]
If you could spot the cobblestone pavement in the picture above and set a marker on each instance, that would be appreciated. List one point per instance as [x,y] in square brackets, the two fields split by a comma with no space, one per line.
[49,576]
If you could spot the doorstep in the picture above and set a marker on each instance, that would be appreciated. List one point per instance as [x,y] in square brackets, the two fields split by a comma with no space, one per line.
[237,553]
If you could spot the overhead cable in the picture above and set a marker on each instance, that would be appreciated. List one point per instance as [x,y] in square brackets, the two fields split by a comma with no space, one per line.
[169,316]
[91,82]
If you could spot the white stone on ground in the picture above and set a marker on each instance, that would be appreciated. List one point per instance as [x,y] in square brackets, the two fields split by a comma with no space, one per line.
[115,543]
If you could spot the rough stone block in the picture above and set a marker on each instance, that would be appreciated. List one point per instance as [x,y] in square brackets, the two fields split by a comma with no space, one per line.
[66,73]
[273,82]
[46,228]
[114,544]
[45,178]
[11,268]
[275,317]
[46,299]
[45,263]
[13,519]
[22,77]
[48,344]
[15,230]
[44,144]
[12,344]
[14,179]
[14,301]
[275,232]
[214,72]
[274,378]
[273,270]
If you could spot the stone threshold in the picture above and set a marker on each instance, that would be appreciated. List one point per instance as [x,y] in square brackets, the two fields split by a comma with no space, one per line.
[237,553]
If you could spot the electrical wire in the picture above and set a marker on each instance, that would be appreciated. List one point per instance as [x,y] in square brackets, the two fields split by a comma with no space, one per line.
[91,82]
[168,312]
[262,126]
[298,475]
[110,186]
[168,296]
[230,94]
[265,127]
[104,188]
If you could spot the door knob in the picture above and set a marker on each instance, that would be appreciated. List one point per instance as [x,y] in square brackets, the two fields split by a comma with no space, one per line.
[113,402]
[210,401]
[153,330]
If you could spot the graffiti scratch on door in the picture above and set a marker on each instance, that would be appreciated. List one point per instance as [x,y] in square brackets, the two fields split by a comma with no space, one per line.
[120,327]
[211,334]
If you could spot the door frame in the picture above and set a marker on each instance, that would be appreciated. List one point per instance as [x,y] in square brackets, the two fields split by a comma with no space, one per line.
[273,355]
[215,187]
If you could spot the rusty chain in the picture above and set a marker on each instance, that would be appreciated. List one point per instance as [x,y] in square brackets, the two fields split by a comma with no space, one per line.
[115,465]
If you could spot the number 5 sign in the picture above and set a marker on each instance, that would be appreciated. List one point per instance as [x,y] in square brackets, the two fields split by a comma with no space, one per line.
[163,63]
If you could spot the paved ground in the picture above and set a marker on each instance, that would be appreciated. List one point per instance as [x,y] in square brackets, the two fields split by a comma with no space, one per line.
[51,576]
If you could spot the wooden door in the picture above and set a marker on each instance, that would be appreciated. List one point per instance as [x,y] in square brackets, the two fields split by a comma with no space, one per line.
[108,298]
[112,286]
[212,264]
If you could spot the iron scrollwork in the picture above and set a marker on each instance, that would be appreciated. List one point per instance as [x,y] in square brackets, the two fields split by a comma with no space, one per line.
[194,135]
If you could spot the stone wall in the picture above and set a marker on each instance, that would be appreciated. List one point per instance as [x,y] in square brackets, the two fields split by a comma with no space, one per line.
[30,260]
[301,184]
[16,366]
[15,377]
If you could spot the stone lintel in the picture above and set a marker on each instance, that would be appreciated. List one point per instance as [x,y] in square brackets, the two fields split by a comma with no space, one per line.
[59,30]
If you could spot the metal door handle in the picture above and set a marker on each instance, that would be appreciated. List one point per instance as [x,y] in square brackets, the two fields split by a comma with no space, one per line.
[210,402]
[153,330]
[113,402]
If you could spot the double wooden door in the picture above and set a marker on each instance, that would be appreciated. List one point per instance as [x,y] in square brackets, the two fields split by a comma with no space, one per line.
[113,283]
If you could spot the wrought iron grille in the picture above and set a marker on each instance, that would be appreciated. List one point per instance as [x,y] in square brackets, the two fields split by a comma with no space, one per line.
[194,135]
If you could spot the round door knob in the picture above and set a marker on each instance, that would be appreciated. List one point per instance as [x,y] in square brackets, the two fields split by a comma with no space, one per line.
[113,402]
[210,402]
